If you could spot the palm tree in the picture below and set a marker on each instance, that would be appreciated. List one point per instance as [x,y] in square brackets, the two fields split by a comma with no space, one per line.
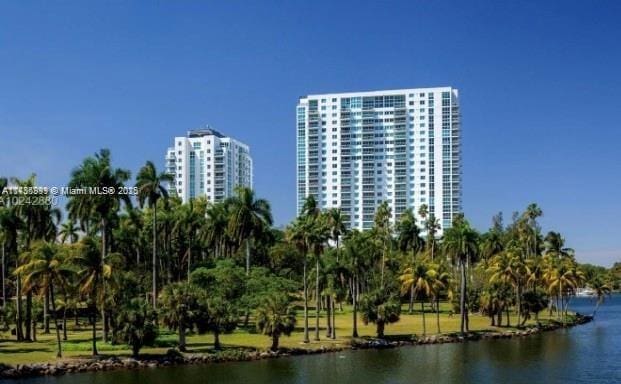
[431,225]
[10,225]
[69,231]
[180,303]
[337,227]
[93,271]
[248,216]
[100,204]
[555,246]
[276,317]
[150,190]
[43,268]
[420,279]
[189,219]
[408,238]
[602,289]
[510,269]
[442,282]
[460,243]
[383,232]
[214,232]
[318,236]
[380,307]
[39,223]
[563,276]
[531,214]
[297,234]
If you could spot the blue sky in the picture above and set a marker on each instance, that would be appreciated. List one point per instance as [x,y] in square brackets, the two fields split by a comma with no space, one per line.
[539,85]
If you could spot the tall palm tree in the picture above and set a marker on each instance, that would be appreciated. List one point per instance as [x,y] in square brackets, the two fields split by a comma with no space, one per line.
[248,216]
[408,233]
[319,233]
[69,231]
[460,243]
[555,246]
[602,289]
[151,188]
[39,223]
[509,269]
[531,214]
[97,172]
[431,225]
[10,226]
[298,234]
[419,278]
[443,282]
[44,268]
[408,239]
[337,227]
[214,231]
[93,271]
[356,246]
[383,231]
[189,219]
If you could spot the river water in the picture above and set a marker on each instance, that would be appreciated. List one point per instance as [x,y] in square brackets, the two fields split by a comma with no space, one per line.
[589,353]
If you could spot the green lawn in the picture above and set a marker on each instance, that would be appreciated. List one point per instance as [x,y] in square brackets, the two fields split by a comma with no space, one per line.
[79,342]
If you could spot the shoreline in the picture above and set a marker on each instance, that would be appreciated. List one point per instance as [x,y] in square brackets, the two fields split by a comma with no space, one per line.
[175,358]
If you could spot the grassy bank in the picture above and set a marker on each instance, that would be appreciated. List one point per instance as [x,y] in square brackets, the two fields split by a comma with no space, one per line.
[78,344]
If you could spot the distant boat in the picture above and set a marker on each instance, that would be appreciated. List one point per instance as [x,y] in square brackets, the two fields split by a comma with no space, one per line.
[585,292]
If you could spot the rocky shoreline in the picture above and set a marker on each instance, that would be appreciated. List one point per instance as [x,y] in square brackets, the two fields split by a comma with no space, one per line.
[173,357]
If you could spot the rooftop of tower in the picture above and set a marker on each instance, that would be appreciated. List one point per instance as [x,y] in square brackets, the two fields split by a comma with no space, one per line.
[208,131]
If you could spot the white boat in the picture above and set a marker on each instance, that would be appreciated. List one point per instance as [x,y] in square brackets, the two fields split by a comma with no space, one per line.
[585,292]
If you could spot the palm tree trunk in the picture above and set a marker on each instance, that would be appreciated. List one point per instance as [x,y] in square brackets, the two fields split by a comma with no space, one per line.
[306,338]
[19,331]
[355,304]
[34,330]
[29,316]
[519,301]
[274,346]
[597,304]
[46,315]
[411,304]
[560,293]
[190,257]
[438,313]
[422,310]
[383,264]
[94,330]
[103,280]
[462,298]
[3,277]
[154,266]
[333,321]
[65,322]
[248,256]
[182,338]
[380,329]
[328,317]
[317,299]
[59,353]
[216,340]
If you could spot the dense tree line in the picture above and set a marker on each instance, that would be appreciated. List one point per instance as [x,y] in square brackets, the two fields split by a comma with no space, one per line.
[133,265]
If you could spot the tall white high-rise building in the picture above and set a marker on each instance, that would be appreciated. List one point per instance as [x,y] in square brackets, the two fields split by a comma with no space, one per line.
[356,150]
[207,163]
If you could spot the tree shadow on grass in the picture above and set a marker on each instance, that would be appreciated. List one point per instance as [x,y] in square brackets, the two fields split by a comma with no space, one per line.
[23,350]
